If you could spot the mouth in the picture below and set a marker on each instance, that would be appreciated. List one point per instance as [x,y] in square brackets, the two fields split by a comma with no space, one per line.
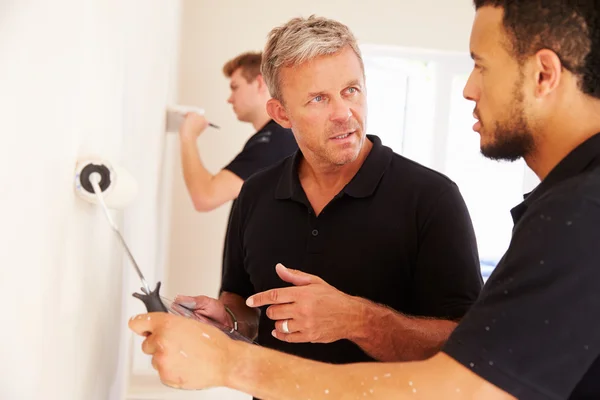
[343,136]
[477,125]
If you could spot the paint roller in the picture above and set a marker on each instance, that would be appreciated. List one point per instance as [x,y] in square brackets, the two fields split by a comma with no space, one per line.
[97,181]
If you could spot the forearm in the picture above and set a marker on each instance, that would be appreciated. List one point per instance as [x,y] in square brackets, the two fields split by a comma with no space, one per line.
[271,375]
[387,335]
[196,176]
[247,317]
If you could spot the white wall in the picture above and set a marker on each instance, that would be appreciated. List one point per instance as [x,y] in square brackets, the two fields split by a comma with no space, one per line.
[214,32]
[76,77]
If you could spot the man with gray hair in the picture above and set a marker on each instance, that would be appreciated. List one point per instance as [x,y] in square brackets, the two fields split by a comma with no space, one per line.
[383,251]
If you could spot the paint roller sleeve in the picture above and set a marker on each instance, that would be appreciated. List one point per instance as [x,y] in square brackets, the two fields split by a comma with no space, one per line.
[118,186]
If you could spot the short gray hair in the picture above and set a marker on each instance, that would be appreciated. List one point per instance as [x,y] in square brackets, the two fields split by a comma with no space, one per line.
[301,40]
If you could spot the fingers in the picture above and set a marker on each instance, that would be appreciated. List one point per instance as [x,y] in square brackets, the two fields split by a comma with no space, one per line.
[281,311]
[171,384]
[287,326]
[273,296]
[284,295]
[181,310]
[199,121]
[155,364]
[145,324]
[186,301]
[296,337]
[151,345]
[295,277]
[193,125]
[167,375]
[194,302]
[209,309]
[195,116]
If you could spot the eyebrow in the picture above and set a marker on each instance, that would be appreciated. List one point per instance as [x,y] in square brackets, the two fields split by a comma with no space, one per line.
[476,57]
[353,82]
[311,95]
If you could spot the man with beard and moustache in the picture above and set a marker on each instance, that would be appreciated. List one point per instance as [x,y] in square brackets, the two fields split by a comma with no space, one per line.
[384,244]
[509,138]
[534,332]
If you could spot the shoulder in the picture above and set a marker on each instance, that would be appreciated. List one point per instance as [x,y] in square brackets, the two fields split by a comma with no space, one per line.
[419,182]
[583,186]
[273,137]
[573,197]
[272,131]
[266,180]
[562,223]
[419,173]
[281,136]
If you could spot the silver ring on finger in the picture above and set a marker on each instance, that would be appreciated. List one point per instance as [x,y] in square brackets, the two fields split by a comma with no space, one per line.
[284,326]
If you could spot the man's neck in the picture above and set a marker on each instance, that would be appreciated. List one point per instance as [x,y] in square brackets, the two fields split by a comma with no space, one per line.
[562,135]
[326,178]
[260,119]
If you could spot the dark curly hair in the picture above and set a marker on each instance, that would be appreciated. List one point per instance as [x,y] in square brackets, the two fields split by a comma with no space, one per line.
[570,28]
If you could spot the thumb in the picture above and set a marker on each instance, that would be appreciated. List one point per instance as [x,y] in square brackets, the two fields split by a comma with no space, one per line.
[295,277]
[146,324]
[192,302]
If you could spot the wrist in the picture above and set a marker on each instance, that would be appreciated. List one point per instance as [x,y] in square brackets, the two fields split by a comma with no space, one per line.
[239,367]
[368,318]
[359,320]
[188,139]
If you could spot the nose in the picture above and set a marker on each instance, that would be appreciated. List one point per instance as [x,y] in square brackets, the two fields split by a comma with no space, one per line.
[471,91]
[340,111]
[230,99]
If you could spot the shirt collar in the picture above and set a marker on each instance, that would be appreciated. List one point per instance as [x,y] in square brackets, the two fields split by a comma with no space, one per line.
[577,161]
[362,185]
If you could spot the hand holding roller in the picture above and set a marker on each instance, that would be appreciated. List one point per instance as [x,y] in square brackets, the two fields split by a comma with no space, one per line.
[96,182]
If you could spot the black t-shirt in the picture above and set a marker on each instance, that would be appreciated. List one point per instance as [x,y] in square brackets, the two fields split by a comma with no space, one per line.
[270,144]
[398,234]
[535,330]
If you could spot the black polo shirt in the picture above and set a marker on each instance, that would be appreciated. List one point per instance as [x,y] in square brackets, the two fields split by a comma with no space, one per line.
[398,234]
[535,330]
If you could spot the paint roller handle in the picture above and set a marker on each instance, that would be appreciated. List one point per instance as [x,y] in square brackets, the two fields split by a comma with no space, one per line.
[152,300]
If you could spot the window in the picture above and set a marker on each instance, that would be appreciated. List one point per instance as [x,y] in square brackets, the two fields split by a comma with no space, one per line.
[490,188]
[416,107]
